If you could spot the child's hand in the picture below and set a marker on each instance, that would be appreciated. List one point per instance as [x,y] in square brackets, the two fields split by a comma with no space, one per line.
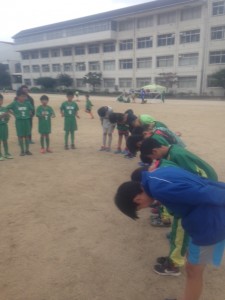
[78,117]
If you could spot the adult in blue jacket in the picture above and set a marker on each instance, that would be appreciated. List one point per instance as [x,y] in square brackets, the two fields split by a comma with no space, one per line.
[199,202]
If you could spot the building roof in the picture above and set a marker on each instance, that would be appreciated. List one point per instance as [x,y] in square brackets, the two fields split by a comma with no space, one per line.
[103,16]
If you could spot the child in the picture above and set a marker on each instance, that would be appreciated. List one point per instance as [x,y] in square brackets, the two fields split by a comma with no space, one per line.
[22,110]
[89,106]
[4,119]
[44,114]
[69,110]
[104,113]
[123,131]
[198,201]
[77,96]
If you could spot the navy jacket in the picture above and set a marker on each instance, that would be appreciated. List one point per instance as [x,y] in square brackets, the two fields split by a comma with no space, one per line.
[199,202]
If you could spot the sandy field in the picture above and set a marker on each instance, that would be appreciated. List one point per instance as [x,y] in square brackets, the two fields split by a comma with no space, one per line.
[62,238]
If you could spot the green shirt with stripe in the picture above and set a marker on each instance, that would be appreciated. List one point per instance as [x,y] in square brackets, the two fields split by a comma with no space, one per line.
[3,119]
[44,114]
[21,110]
[69,110]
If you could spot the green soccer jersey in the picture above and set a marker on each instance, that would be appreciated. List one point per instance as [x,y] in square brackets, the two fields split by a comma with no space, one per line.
[20,110]
[190,162]
[147,120]
[44,114]
[88,104]
[3,119]
[69,109]
[160,139]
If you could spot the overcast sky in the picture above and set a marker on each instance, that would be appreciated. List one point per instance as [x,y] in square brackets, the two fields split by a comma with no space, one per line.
[17,15]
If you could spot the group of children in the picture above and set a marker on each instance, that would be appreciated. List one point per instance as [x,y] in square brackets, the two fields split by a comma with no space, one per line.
[22,108]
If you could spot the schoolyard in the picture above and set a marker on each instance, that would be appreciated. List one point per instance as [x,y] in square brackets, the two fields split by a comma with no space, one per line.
[61,236]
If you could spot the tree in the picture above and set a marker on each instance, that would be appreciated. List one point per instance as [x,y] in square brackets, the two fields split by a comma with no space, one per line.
[218,78]
[46,82]
[93,79]
[64,80]
[5,80]
[167,79]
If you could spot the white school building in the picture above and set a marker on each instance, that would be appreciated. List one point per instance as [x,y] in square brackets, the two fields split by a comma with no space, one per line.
[132,46]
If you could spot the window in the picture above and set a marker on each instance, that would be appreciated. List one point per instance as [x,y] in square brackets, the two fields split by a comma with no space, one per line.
[140,82]
[55,52]
[18,68]
[94,66]
[55,35]
[218,33]
[166,39]
[109,47]
[189,59]
[92,49]
[212,82]
[191,36]
[80,83]
[45,68]
[145,42]
[34,54]
[25,55]
[44,53]
[79,50]
[26,69]
[218,8]
[36,68]
[165,61]
[126,64]
[67,51]
[126,44]
[109,65]
[109,82]
[191,13]
[35,82]
[167,18]
[56,68]
[81,66]
[145,22]
[27,82]
[217,57]
[144,63]
[67,67]
[125,25]
[187,82]
[125,82]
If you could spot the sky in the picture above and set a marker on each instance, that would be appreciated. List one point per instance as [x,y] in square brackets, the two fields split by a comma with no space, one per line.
[17,15]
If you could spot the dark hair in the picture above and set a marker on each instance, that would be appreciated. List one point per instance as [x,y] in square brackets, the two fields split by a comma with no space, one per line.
[124,198]
[44,97]
[24,86]
[148,145]
[69,93]
[102,111]
[136,175]
[20,92]
[145,159]
[129,111]
[132,143]
[116,118]
[139,130]
[1,97]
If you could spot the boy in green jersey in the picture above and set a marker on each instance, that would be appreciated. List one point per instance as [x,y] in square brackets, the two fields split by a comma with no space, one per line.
[4,119]
[88,106]
[44,113]
[22,111]
[69,110]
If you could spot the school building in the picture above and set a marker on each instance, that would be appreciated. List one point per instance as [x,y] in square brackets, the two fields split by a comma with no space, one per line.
[132,46]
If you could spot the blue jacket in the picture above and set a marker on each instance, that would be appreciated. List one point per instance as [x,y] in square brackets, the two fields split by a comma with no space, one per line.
[199,202]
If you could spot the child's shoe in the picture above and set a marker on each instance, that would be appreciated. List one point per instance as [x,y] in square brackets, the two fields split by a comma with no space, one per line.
[162,260]
[73,147]
[157,222]
[22,153]
[42,151]
[28,152]
[8,156]
[49,150]
[1,158]
[66,147]
[167,270]
[118,151]
[102,148]
[107,149]
[155,210]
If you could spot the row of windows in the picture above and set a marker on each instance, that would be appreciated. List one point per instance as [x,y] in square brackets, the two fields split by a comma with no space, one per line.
[218,8]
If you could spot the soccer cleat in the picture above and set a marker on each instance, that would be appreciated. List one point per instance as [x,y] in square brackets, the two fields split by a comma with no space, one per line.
[167,270]
[49,150]
[28,152]
[8,156]
[42,151]
[22,153]
[118,151]
[163,260]
[66,147]
[1,158]
[73,147]
[108,149]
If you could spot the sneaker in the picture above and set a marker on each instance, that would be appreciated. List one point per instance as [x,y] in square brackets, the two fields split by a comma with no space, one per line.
[28,152]
[66,147]
[73,147]
[108,149]
[129,156]
[22,153]
[118,152]
[125,152]
[8,156]
[163,260]
[157,222]
[49,150]
[155,210]
[102,148]
[42,151]
[1,158]
[167,270]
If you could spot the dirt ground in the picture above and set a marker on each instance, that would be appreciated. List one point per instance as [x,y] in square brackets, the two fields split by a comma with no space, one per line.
[61,237]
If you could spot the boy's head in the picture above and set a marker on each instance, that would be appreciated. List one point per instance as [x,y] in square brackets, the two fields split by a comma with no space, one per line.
[87,96]
[136,175]
[152,149]
[44,99]
[21,95]
[24,88]
[134,143]
[116,118]
[145,159]
[1,99]
[102,111]
[130,197]
[70,95]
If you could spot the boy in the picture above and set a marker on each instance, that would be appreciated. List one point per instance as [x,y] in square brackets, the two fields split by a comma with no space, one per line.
[22,110]
[44,114]
[4,119]
[153,149]
[69,110]
[104,113]
[88,106]
[123,131]
[199,202]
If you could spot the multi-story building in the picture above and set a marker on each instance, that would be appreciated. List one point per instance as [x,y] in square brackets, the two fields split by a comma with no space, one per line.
[132,46]
[12,60]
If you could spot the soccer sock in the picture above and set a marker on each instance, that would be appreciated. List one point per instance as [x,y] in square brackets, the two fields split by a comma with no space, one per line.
[5,145]
[0,148]
[21,144]
[104,139]
[47,141]
[109,140]
[72,137]
[27,143]
[42,142]
[66,137]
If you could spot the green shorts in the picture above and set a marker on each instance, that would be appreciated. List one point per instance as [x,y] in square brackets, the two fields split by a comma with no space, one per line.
[4,132]
[70,124]
[23,127]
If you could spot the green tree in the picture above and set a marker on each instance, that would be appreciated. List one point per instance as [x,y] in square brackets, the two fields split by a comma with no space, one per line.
[64,80]
[46,82]
[5,80]
[93,79]
[219,78]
